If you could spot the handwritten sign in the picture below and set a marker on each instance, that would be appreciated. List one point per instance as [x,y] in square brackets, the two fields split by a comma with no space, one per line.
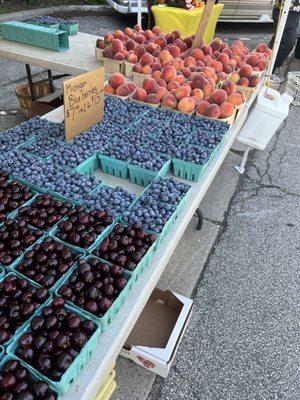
[83,102]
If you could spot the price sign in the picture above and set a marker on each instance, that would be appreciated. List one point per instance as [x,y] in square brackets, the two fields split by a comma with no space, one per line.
[83,102]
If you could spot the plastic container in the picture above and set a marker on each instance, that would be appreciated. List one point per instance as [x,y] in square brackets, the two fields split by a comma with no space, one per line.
[114,308]
[75,368]
[188,170]
[58,282]
[2,272]
[144,177]
[35,35]
[113,66]
[2,353]
[113,166]
[70,29]
[88,166]
[33,375]
[37,311]
[264,118]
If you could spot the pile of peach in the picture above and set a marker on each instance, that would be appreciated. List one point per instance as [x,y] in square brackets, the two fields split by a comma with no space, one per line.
[151,50]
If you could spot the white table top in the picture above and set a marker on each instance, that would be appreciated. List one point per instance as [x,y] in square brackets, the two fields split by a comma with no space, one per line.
[87,385]
[80,57]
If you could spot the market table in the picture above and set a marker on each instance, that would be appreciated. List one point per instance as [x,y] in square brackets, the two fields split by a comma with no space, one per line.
[80,57]
[87,385]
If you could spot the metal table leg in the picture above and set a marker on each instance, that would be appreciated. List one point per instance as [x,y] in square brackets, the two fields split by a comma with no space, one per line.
[29,77]
[200,219]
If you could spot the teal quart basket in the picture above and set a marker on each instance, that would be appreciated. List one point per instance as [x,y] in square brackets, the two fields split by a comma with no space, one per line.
[71,29]
[114,308]
[188,170]
[33,375]
[114,167]
[79,362]
[88,166]
[144,177]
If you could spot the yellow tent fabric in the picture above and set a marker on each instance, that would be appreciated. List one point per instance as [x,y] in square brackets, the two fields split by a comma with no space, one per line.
[186,22]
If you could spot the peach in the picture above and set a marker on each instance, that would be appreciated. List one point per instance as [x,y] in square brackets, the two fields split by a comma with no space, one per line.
[182,92]
[169,74]
[162,83]
[109,89]
[200,64]
[197,54]
[174,51]
[186,105]
[253,80]
[119,56]
[156,66]
[146,59]
[208,72]
[242,94]
[186,72]
[156,30]
[234,77]
[207,50]
[224,46]
[152,98]
[100,44]
[221,76]
[202,106]
[108,52]
[198,81]
[137,68]
[149,84]
[207,89]
[170,38]
[228,69]
[262,65]
[156,75]
[119,34]
[176,34]
[109,38]
[180,79]
[178,63]
[131,86]
[226,110]
[239,44]
[193,68]
[246,71]
[197,93]
[219,96]
[137,27]
[189,61]
[243,82]
[140,51]
[252,60]
[116,80]
[261,48]
[236,51]
[173,85]
[169,101]
[146,69]
[229,87]
[117,46]
[165,55]
[217,65]
[223,58]
[188,41]
[156,52]
[212,81]
[161,92]
[123,90]
[161,41]
[228,52]
[132,58]
[148,34]
[128,31]
[236,99]
[216,44]
[213,111]
[140,39]
[182,46]
[233,63]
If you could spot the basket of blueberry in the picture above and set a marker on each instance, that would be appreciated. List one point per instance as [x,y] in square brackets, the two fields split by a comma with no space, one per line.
[69,26]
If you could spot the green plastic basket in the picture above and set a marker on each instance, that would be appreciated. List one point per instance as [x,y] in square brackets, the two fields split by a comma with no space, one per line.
[114,308]
[188,170]
[51,26]
[34,187]
[88,166]
[2,272]
[114,167]
[58,282]
[35,35]
[144,177]
[70,29]
[37,311]
[33,375]
[76,367]
[2,353]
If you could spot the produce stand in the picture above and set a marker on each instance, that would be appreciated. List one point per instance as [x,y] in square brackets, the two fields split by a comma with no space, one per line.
[111,341]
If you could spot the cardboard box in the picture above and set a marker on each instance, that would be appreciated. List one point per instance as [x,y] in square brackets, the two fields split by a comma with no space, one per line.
[155,337]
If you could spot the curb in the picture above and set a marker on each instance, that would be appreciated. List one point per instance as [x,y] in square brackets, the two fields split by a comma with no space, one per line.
[25,14]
